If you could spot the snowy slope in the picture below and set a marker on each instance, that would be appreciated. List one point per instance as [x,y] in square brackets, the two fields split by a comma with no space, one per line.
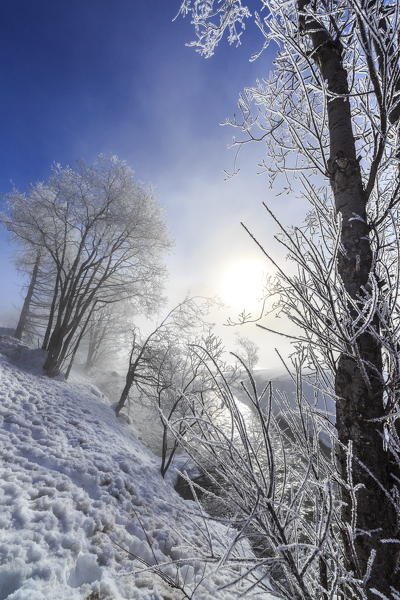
[75,486]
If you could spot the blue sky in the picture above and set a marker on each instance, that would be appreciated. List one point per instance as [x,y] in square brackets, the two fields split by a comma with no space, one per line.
[89,76]
[85,76]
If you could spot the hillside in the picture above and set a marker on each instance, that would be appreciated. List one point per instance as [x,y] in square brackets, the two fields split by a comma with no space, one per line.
[78,493]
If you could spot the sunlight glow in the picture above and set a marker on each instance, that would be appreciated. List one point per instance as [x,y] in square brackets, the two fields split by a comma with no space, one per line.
[242,283]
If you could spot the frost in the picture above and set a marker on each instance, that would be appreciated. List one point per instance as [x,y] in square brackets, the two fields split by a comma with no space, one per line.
[70,515]
[86,571]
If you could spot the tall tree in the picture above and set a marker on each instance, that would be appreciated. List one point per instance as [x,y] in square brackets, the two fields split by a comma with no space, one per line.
[331,108]
[104,234]
[23,317]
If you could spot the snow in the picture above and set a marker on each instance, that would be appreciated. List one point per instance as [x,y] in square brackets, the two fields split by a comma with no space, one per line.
[80,495]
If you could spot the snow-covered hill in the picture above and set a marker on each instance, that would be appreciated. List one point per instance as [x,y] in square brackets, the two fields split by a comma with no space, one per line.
[78,492]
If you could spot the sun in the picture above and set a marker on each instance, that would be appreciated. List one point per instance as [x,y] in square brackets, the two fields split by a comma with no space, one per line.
[242,283]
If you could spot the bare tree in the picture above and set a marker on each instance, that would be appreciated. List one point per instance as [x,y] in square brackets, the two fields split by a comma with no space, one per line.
[105,236]
[331,109]
[34,316]
[167,369]
[275,487]
[182,378]
[187,316]
[24,315]
[107,330]
[248,352]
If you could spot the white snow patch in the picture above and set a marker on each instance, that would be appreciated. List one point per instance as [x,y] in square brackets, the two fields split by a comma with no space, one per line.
[78,493]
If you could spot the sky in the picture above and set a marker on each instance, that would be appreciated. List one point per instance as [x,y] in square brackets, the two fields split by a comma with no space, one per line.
[85,77]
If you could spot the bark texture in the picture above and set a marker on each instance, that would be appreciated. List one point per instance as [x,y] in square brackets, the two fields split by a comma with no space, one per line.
[358,382]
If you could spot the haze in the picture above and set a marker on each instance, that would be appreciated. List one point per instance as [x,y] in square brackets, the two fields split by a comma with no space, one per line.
[82,78]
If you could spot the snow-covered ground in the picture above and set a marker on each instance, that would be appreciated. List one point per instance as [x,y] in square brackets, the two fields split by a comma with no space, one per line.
[78,493]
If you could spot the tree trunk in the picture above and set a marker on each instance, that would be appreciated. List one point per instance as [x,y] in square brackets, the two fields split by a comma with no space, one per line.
[77,343]
[52,366]
[49,327]
[131,373]
[90,350]
[27,302]
[97,335]
[358,382]
[125,393]
[64,330]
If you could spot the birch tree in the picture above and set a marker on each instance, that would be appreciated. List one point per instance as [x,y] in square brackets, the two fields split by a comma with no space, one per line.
[330,111]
